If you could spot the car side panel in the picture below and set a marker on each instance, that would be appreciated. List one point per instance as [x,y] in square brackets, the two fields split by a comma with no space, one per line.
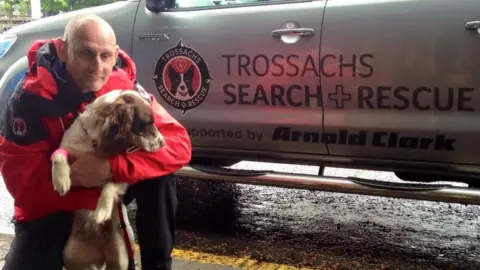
[401,80]
[258,83]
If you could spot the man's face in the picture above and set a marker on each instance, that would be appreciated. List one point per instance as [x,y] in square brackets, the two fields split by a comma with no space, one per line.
[89,59]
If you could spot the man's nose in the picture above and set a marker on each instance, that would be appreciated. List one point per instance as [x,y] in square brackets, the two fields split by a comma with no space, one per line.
[96,64]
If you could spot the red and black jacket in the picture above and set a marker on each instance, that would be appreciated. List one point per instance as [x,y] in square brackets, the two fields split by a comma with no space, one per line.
[40,110]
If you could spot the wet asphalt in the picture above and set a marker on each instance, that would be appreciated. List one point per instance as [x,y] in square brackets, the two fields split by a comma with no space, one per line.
[319,230]
[322,230]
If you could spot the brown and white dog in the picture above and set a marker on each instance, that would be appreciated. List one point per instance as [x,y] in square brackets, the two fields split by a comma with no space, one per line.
[110,124]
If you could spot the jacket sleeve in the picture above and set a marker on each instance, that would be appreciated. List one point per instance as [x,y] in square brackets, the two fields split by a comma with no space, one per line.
[137,165]
[25,161]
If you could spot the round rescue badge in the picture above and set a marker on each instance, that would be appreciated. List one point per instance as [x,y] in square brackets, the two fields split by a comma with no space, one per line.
[182,77]
[19,128]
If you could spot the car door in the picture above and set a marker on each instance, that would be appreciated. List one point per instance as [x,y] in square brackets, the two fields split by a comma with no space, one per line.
[401,79]
[228,72]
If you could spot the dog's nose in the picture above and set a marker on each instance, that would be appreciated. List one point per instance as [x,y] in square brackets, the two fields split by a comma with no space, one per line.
[182,87]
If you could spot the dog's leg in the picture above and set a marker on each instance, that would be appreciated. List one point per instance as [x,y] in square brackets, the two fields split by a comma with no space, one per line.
[110,195]
[82,252]
[61,172]
[116,254]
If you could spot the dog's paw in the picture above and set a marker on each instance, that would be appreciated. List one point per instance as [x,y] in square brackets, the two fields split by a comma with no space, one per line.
[104,209]
[61,183]
[61,174]
[101,215]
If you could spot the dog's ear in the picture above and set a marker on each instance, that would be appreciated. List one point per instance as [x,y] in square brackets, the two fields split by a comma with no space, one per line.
[116,136]
[125,99]
[190,72]
[124,116]
[171,71]
[174,77]
[121,115]
[188,80]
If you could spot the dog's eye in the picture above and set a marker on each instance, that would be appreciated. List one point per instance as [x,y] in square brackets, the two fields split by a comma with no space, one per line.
[115,128]
[138,128]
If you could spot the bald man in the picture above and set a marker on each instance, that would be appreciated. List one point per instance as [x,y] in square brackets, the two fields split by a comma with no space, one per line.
[64,75]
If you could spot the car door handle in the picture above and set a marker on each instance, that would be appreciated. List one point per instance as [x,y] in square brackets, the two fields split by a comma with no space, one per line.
[472,25]
[293,32]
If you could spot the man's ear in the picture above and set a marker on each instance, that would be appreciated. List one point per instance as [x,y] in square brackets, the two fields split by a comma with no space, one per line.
[117,48]
[62,50]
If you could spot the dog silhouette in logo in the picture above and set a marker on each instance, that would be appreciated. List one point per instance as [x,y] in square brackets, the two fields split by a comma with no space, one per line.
[181,82]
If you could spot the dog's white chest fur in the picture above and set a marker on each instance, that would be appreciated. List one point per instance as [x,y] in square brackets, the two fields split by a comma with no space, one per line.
[76,138]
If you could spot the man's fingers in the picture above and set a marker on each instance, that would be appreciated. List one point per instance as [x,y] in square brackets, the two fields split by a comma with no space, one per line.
[75,174]
[71,159]
[72,155]
[75,180]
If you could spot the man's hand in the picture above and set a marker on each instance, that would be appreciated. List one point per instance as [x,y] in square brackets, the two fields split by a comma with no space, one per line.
[88,169]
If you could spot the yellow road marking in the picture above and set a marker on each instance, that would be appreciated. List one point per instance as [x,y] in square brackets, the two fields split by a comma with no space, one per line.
[242,262]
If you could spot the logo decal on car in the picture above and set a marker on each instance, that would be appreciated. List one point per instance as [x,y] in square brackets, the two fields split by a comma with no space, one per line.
[182,77]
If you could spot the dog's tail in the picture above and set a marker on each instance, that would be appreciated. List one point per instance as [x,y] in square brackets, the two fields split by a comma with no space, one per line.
[61,171]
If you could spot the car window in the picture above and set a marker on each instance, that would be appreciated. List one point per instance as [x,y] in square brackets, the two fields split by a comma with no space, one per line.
[212,3]
[193,3]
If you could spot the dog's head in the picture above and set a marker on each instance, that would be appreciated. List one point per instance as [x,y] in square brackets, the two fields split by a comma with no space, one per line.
[182,82]
[124,119]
